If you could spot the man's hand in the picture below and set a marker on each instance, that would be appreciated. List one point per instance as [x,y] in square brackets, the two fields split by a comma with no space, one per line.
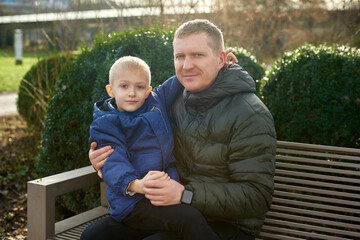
[229,57]
[99,156]
[137,185]
[163,193]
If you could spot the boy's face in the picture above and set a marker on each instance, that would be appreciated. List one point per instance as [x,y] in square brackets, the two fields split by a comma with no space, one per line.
[130,89]
[196,64]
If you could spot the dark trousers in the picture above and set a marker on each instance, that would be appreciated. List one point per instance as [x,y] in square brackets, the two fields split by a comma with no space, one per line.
[174,222]
[183,219]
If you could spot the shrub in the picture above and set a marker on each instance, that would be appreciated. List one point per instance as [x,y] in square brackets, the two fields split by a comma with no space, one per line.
[65,138]
[314,95]
[37,87]
[250,64]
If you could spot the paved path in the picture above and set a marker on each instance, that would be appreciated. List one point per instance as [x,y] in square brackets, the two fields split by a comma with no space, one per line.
[8,104]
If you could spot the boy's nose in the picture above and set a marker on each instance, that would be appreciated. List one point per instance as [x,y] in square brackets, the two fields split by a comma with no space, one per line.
[132,91]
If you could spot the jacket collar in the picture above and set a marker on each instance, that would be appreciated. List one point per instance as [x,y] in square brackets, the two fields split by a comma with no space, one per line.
[229,81]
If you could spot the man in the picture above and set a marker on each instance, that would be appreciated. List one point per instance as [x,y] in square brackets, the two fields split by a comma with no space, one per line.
[224,136]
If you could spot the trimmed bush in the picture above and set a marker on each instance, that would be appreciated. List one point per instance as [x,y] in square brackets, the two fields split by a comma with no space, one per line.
[314,95]
[65,139]
[37,88]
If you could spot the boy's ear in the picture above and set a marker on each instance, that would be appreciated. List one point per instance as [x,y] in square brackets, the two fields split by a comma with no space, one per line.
[109,90]
[148,92]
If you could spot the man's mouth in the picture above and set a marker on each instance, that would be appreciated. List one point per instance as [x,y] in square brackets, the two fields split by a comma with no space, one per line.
[189,76]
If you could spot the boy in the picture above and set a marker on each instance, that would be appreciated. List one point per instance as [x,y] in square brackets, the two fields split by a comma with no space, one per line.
[134,122]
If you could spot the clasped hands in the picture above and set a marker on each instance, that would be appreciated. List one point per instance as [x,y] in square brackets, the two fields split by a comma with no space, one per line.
[157,186]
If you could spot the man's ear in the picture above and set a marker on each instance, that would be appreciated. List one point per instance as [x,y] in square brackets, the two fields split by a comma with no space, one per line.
[109,90]
[222,59]
[148,92]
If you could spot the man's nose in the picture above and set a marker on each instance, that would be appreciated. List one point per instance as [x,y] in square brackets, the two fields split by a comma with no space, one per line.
[188,63]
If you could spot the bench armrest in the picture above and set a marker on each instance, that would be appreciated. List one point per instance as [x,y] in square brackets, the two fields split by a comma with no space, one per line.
[41,198]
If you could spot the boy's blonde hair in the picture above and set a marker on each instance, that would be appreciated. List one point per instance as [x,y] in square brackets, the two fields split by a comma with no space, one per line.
[216,39]
[130,63]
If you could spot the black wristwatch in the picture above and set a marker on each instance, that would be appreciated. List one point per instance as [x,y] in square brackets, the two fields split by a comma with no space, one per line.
[187,195]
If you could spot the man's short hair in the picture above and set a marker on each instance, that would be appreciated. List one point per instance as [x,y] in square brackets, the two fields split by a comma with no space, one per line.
[202,25]
[129,63]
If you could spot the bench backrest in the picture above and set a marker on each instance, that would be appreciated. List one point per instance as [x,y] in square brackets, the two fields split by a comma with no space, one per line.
[317,193]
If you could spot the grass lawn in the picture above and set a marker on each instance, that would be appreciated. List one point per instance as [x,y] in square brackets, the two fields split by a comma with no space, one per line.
[11,74]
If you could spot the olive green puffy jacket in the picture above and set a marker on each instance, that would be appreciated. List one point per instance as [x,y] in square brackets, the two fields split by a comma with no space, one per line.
[225,144]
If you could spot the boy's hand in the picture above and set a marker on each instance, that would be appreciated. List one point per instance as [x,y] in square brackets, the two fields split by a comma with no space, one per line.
[98,157]
[229,57]
[138,185]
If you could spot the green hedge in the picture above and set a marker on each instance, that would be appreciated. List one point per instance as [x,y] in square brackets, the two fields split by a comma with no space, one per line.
[314,95]
[37,88]
[65,139]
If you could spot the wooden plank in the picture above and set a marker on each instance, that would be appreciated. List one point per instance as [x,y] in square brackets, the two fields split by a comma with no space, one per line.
[313,228]
[323,162]
[315,198]
[277,200]
[317,191]
[315,214]
[286,216]
[317,147]
[317,183]
[277,236]
[318,154]
[335,171]
[298,233]
[333,178]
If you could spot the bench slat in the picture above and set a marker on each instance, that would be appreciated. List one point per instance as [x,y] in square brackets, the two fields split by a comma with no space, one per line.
[319,169]
[277,236]
[316,183]
[312,229]
[315,198]
[301,217]
[317,176]
[318,154]
[278,200]
[301,233]
[317,191]
[334,163]
[308,146]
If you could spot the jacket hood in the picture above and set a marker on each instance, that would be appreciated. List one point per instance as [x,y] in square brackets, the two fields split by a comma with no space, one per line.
[230,81]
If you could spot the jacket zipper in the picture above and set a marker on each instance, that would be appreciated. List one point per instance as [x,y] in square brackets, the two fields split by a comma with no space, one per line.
[152,109]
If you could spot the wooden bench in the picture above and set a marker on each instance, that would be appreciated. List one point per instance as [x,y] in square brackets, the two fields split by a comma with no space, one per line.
[317,196]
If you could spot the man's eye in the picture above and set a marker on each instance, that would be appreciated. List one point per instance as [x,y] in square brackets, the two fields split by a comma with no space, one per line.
[199,55]
[179,57]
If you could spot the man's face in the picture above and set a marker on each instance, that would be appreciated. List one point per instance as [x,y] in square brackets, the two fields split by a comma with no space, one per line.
[196,64]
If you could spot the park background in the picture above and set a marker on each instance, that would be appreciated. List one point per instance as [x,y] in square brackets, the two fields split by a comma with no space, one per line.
[266,29]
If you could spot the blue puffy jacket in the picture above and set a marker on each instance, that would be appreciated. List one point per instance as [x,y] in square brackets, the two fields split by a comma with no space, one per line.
[142,141]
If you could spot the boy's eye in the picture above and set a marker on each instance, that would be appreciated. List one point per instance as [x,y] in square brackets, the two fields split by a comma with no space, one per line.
[123,86]
[141,87]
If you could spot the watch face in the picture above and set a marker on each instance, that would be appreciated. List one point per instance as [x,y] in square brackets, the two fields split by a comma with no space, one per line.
[187,197]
